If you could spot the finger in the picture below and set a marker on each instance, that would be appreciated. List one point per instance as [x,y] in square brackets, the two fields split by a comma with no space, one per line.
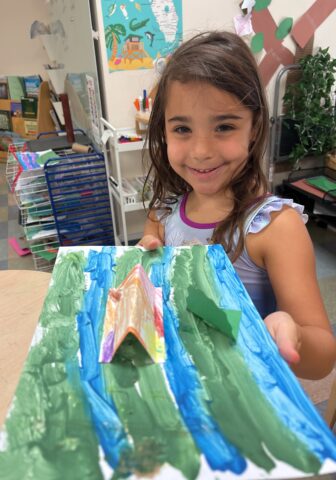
[289,353]
[288,343]
[286,334]
[149,242]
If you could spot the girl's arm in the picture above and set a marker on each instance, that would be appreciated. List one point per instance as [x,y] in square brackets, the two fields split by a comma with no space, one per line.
[153,233]
[300,328]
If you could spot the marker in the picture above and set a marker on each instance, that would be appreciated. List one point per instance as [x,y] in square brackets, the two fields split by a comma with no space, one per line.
[144,100]
[137,104]
[141,103]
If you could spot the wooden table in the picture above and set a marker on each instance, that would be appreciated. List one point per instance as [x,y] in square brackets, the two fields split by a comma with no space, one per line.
[21,298]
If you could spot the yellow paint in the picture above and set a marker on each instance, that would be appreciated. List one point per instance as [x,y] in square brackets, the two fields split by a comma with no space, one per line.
[134,65]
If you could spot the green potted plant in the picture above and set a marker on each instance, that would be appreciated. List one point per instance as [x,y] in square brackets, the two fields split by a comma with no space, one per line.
[310,104]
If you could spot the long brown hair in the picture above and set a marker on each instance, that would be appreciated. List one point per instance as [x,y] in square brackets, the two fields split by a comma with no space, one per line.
[223,60]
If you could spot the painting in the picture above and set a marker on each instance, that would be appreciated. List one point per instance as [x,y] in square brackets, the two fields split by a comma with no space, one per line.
[221,403]
[139,33]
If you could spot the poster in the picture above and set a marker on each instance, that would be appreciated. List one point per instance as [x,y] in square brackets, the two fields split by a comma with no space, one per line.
[137,33]
[216,408]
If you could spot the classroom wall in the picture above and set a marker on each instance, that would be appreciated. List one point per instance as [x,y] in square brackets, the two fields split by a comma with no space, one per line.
[122,87]
[19,54]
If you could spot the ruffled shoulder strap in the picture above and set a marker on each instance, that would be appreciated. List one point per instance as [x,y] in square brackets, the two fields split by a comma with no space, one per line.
[260,217]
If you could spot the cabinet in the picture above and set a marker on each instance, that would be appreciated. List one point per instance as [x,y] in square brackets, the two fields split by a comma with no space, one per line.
[125,188]
[318,203]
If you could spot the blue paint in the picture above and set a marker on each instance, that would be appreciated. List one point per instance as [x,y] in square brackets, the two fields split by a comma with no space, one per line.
[187,388]
[271,373]
[107,424]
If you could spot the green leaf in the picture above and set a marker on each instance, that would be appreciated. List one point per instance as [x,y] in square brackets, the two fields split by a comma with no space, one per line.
[257,42]
[284,28]
[261,4]
[120,29]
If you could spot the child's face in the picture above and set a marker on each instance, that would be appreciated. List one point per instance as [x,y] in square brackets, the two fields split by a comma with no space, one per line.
[208,133]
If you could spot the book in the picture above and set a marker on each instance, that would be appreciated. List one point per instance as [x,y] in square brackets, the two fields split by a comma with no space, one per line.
[5,120]
[323,183]
[3,87]
[32,85]
[16,108]
[30,127]
[29,107]
[16,87]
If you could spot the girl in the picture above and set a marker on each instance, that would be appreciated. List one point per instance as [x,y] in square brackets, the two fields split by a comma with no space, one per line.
[206,137]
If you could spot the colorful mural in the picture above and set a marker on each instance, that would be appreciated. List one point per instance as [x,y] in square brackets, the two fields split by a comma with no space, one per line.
[218,406]
[138,33]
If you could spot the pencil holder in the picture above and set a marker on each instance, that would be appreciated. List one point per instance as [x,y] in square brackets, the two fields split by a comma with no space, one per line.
[141,122]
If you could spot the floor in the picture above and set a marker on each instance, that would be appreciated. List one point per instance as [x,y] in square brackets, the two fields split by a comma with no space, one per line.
[324,244]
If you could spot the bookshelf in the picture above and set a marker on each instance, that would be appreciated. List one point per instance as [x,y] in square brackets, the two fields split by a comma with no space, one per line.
[44,120]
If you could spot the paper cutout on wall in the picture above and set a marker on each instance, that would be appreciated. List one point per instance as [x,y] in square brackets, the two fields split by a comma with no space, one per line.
[257,42]
[243,24]
[276,53]
[305,27]
[284,28]
[134,308]
[247,5]
[261,5]
[138,33]
[215,409]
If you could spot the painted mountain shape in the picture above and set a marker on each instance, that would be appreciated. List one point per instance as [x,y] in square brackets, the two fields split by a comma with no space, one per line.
[135,307]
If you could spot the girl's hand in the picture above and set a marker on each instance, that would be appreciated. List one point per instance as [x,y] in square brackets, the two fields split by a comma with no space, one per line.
[150,242]
[286,334]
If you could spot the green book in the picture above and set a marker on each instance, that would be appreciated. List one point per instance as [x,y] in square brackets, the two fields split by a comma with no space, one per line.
[16,87]
[29,107]
[323,183]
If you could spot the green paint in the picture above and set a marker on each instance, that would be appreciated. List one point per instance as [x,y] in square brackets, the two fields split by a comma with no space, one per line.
[257,42]
[134,25]
[143,402]
[243,414]
[48,425]
[261,4]
[132,257]
[148,413]
[225,320]
[285,26]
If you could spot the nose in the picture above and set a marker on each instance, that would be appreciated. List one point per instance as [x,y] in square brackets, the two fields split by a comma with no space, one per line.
[201,148]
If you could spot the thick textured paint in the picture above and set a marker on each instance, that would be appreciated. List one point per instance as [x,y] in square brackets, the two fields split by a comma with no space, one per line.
[109,428]
[48,425]
[228,380]
[128,404]
[272,374]
[186,386]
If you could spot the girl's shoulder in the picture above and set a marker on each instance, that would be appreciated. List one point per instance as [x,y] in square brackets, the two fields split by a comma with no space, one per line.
[260,216]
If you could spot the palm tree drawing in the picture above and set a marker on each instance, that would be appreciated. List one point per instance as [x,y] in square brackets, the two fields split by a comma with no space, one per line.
[112,38]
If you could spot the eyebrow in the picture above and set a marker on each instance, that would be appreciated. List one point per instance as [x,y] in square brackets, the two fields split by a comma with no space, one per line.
[217,118]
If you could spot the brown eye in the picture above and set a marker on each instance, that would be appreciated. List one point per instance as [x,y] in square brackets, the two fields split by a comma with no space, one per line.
[182,129]
[224,128]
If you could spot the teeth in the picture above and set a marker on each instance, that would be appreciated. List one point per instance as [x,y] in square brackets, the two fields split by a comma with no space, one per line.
[205,170]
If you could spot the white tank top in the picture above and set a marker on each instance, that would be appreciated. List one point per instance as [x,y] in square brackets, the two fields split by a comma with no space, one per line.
[179,230]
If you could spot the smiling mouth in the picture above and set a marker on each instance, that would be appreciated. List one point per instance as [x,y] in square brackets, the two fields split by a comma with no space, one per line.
[203,170]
